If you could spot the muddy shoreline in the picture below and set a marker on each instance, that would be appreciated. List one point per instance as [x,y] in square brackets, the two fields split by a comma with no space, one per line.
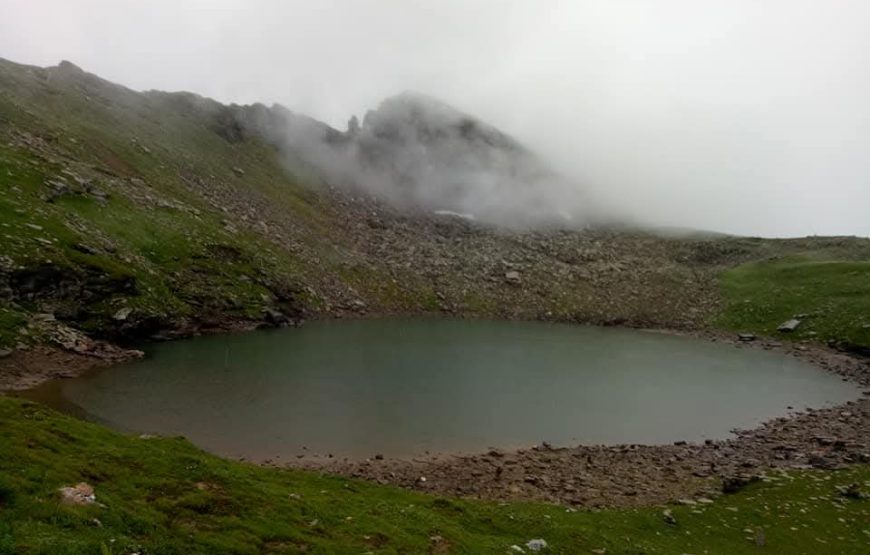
[586,475]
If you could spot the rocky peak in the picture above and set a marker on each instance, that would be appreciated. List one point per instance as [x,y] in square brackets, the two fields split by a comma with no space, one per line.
[415,117]
[66,66]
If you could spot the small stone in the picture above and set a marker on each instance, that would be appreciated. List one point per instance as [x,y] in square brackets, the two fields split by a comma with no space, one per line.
[536,545]
[238,171]
[513,277]
[789,325]
[669,517]
[86,249]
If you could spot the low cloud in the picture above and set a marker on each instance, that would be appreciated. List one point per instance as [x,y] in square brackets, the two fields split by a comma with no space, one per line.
[418,153]
[734,115]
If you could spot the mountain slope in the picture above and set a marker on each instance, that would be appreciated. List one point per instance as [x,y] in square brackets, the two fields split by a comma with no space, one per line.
[128,215]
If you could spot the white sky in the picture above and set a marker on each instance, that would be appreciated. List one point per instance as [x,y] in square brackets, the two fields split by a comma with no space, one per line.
[749,116]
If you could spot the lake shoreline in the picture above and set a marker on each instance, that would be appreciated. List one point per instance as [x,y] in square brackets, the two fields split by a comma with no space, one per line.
[29,367]
[586,475]
[638,475]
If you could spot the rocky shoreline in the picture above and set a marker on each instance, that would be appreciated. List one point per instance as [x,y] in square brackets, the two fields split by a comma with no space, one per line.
[589,476]
[637,475]
[68,353]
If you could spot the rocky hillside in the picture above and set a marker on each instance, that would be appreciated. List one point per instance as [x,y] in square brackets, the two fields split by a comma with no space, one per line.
[126,215]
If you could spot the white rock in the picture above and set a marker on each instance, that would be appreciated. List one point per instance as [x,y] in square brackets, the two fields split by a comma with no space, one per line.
[79,494]
[122,314]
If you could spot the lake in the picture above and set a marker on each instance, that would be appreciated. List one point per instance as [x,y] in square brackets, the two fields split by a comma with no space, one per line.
[401,387]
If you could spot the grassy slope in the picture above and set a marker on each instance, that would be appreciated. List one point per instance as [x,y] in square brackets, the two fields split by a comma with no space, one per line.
[162,495]
[834,293]
[139,148]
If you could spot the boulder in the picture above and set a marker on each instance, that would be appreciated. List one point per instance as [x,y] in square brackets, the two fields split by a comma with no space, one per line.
[56,188]
[275,317]
[733,484]
[122,314]
[513,277]
[79,494]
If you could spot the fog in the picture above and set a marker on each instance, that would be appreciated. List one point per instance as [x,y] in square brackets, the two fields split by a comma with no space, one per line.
[739,116]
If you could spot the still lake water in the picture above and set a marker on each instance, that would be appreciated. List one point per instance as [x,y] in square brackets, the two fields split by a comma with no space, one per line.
[401,387]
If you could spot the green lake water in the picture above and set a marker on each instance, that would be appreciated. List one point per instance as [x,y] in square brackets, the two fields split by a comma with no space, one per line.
[404,387]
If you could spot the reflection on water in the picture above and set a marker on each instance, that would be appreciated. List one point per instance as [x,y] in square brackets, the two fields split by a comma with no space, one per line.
[400,387]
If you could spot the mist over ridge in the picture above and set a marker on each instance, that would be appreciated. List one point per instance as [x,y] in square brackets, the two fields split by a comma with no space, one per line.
[419,153]
[738,116]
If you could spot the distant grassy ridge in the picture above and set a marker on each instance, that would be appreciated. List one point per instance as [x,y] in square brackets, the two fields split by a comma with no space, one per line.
[833,295]
[162,495]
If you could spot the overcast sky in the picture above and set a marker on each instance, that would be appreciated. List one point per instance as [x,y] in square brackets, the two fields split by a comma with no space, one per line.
[743,116]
